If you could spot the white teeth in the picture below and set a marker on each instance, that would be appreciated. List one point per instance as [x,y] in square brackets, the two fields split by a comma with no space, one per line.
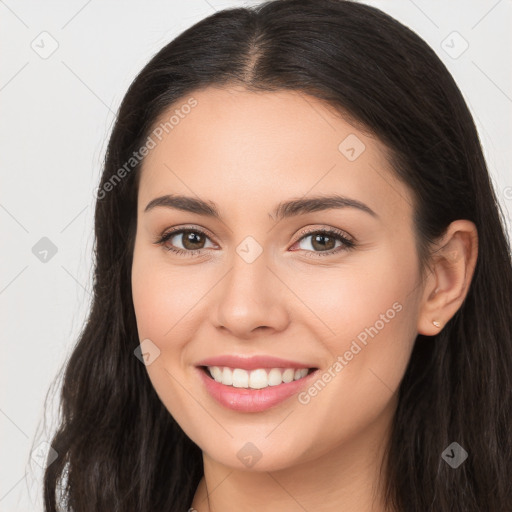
[255,379]
[258,379]
[275,377]
[227,377]
[288,374]
[216,373]
[240,378]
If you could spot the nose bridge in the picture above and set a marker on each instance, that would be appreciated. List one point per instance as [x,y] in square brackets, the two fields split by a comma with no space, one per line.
[249,296]
[248,281]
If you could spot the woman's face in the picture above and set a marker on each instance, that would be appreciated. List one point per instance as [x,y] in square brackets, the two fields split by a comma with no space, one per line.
[255,279]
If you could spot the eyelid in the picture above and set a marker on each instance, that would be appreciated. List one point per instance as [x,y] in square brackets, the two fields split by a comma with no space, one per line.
[320,228]
[179,229]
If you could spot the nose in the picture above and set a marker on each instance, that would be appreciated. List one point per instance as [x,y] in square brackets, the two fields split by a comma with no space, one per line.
[251,299]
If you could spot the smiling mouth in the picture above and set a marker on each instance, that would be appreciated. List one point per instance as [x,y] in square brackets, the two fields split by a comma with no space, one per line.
[255,379]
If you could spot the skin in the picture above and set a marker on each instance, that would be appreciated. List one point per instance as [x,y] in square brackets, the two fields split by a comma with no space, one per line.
[246,152]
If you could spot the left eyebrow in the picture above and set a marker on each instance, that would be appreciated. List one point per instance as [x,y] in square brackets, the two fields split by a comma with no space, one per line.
[283,210]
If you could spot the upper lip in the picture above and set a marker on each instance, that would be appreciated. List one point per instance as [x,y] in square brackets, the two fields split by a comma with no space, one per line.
[252,363]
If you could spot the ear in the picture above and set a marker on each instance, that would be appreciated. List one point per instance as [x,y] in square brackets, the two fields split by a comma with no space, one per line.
[452,266]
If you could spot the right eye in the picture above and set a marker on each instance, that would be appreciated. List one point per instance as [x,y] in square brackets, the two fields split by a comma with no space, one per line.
[189,238]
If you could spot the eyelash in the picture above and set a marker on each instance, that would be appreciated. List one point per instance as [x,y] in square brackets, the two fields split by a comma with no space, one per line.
[335,233]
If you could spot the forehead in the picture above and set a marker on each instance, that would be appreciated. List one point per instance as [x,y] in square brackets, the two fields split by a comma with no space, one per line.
[238,147]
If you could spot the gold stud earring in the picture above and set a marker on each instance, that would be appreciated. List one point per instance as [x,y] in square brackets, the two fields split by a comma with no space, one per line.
[436,323]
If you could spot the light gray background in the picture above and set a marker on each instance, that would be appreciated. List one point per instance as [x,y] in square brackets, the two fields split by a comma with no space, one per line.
[56,115]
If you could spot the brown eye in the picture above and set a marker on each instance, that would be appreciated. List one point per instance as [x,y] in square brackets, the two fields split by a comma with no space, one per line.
[192,241]
[324,242]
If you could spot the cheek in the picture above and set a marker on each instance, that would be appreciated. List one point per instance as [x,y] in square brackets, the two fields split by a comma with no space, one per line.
[165,302]
[164,297]
[359,384]
[354,297]
[368,314]
[169,303]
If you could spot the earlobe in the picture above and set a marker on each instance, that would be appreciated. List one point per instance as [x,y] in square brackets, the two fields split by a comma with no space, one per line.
[453,262]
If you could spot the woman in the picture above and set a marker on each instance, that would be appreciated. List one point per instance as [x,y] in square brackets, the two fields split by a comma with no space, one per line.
[302,294]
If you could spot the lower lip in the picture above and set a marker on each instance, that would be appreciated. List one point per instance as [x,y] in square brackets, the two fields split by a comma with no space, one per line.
[253,400]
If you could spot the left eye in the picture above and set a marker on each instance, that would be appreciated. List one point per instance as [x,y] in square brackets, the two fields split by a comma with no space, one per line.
[323,242]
